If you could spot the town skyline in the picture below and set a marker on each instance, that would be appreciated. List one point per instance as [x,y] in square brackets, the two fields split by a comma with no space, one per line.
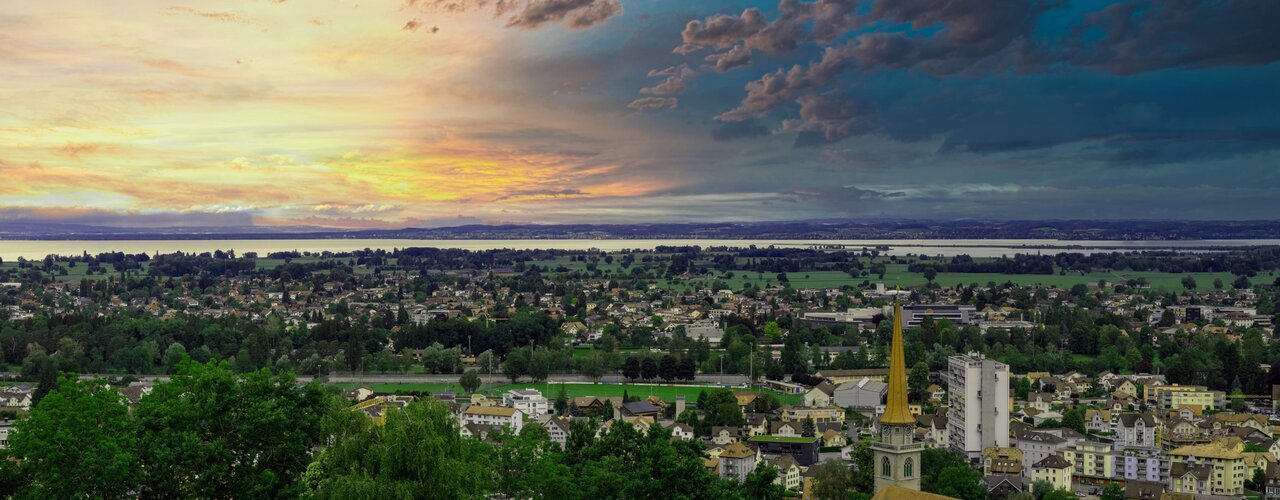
[390,114]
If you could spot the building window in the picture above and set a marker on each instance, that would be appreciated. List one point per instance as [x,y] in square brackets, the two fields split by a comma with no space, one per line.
[886,470]
[908,469]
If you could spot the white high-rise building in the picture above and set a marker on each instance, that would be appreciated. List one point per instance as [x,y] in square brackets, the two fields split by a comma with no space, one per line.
[979,393]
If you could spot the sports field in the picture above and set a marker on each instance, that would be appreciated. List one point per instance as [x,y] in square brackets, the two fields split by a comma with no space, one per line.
[666,393]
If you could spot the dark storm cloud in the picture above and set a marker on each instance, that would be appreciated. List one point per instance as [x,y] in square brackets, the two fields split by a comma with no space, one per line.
[970,39]
[797,22]
[972,35]
[1148,35]
[826,118]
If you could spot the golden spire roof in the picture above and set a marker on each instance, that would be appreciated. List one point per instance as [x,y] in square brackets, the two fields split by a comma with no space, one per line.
[896,411]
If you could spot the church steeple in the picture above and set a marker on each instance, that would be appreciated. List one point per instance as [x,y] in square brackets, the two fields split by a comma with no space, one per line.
[896,450]
[895,410]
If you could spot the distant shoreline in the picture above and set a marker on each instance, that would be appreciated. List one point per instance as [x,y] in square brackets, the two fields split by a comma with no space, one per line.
[37,249]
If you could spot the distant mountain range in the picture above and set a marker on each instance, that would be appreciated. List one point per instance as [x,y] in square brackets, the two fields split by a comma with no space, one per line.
[798,230]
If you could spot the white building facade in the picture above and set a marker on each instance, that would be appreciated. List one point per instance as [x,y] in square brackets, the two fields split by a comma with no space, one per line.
[979,415]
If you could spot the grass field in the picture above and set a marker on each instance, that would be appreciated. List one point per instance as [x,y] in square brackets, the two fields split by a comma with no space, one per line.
[667,393]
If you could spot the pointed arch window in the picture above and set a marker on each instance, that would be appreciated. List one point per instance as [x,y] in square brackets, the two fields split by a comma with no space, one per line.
[908,468]
[886,470]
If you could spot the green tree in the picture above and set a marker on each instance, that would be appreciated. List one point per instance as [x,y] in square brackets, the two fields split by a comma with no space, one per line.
[540,364]
[529,465]
[174,355]
[416,453]
[562,401]
[593,365]
[773,331]
[832,481]
[759,484]
[933,461]
[516,365]
[1074,419]
[77,443]
[1061,494]
[208,432]
[961,482]
[720,410]
[863,474]
[1114,491]
[918,379]
[470,381]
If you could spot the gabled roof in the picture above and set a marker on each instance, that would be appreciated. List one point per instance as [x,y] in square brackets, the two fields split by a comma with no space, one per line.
[493,411]
[783,462]
[1052,462]
[737,450]
[638,407]
[1183,469]
[1132,419]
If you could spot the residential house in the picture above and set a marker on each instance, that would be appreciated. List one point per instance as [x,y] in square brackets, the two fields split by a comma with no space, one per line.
[820,395]
[1055,469]
[1042,401]
[1136,430]
[788,472]
[832,438]
[510,418]
[755,424]
[1099,420]
[786,429]
[1094,462]
[724,436]
[737,461]
[529,401]
[1226,466]
[997,460]
[589,406]
[682,432]
[559,428]
[1273,482]
[935,433]
[819,415]
[1190,479]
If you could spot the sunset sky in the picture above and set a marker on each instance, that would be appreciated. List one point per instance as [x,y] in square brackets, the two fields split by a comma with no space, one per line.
[395,113]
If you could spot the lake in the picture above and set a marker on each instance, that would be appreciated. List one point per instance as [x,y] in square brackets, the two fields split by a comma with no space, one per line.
[32,249]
